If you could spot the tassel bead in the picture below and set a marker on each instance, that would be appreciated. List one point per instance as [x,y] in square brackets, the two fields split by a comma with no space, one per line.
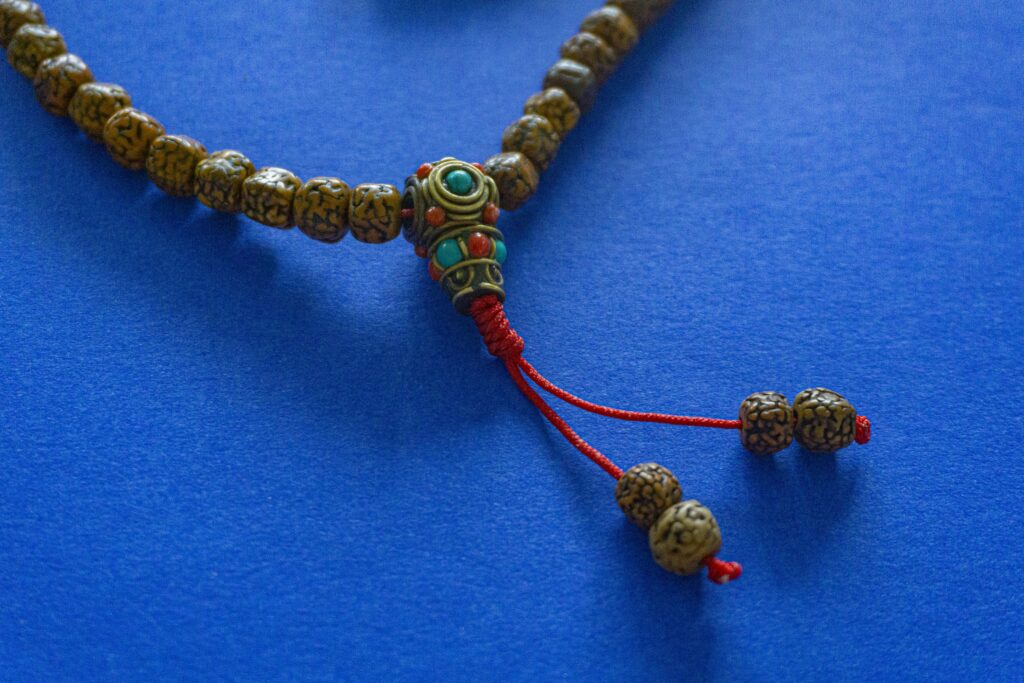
[645,491]
[825,420]
[766,423]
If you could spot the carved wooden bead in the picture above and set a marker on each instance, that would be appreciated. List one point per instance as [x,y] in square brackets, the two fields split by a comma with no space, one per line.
[556,106]
[515,176]
[767,423]
[16,13]
[57,80]
[613,26]
[683,536]
[267,196]
[586,48]
[375,213]
[574,78]
[219,179]
[825,421]
[93,104]
[128,135]
[645,491]
[171,164]
[533,136]
[33,44]
[321,209]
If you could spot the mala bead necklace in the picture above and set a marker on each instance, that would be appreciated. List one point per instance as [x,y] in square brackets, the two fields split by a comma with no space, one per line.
[449,211]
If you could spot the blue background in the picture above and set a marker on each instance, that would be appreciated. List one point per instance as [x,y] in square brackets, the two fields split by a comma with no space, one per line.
[232,451]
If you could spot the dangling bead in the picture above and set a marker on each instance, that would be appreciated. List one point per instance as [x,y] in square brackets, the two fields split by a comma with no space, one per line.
[767,423]
[645,491]
[825,420]
[684,536]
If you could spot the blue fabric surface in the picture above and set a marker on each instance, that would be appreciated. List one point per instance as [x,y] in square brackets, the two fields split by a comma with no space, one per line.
[229,451]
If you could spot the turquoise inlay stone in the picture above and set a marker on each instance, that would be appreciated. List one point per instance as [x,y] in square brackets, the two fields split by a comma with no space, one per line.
[448,253]
[500,252]
[460,182]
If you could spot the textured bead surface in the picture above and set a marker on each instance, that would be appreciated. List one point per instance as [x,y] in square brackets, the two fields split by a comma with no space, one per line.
[267,196]
[533,136]
[321,209]
[574,78]
[93,104]
[33,44]
[57,80]
[171,164]
[128,135]
[556,106]
[586,48]
[515,176]
[825,421]
[613,26]
[645,491]
[16,13]
[219,180]
[683,536]
[767,423]
[375,213]
[643,12]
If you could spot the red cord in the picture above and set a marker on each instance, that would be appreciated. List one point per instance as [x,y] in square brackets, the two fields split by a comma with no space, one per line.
[863,434]
[617,413]
[722,572]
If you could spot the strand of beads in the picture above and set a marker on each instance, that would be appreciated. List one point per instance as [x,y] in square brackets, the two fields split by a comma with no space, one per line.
[323,208]
[570,86]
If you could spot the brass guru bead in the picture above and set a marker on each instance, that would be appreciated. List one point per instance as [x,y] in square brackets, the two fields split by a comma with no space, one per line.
[14,14]
[516,177]
[93,104]
[57,80]
[767,423]
[171,164]
[683,536]
[321,209]
[33,44]
[825,421]
[219,180]
[645,491]
[267,196]
[128,135]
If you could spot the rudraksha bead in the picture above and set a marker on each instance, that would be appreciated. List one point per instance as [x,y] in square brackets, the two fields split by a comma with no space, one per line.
[128,135]
[556,106]
[613,26]
[767,423]
[16,13]
[515,176]
[171,164]
[33,44]
[57,80]
[535,137]
[267,196]
[684,536]
[375,213]
[825,421]
[321,209]
[577,79]
[645,491]
[593,51]
[643,12]
[93,104]
[219,179]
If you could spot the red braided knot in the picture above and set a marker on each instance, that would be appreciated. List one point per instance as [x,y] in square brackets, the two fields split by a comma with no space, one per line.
[863,430]
[722,572]
[502,341]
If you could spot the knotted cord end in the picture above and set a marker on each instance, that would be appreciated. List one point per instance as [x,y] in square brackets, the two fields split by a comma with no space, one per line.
[502,341]
[863,434]
[722,572]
